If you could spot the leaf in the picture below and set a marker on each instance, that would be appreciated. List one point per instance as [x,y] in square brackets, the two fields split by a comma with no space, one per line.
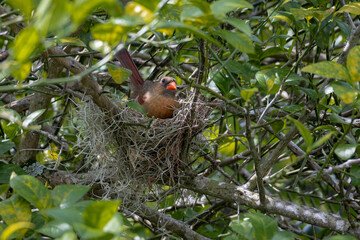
[25,44]
[32,117]
[265,227]
[15,209]
[238,40]
[119,74]
[136,106]
[109,33]
[244,229]
[6,171]
[15,228]
[10,115]
[66,195]
[346,92]
[66,215]
[305,133]
[86,232]
[240,25]
[55,229]
[32,190]
[355,175]
[345,151]
[353,63]
[221,7]
[6,145]
[182,26]
[99,213]
[21,70]
[353,8]
[25,6]
[341,237]
[247,93]
[138,10]
[284,235]
[328,69]
[322,140]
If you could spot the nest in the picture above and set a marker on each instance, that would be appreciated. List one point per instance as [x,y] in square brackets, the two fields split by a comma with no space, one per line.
[131,154]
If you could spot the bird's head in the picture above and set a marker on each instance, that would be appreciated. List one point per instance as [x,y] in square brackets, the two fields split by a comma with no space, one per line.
[168,83]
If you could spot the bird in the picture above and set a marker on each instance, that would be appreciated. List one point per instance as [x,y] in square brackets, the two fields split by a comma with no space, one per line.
[158,98]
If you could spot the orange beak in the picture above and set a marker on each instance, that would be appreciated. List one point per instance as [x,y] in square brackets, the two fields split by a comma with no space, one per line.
[171,86]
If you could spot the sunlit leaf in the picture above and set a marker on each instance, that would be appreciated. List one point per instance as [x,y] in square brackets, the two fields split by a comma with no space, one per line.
[221,7]
[22,70]
[238,40]
[99,213]
[10,115]
[328,69]
[32,117]
[32,190]
[55,229]
[353,8]
[119,74]
[353,63]
[15,209]
[25,44]
[240,25]
[322,140]
[345,151]
[15,228]
[110,33]
[346,92]
[247,93]
[134,8]
[25,6]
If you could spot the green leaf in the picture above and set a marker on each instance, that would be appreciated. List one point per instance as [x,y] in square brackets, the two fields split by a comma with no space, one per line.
[322,140]
[32,190]
[201,4]
[355,175]
[244,229]
[238,40]
[86,232]
[119,74]
[341,237]
[345,151]
[353,64]
[66,195]
[328,69]
[6,171]
[182,26]
[240,25]
[10,115]
[109,33]
[66,215]
[305,133]
[82,9]
[139,11]
[70,235]
[21,70]
[221,7]
[15,209]
[32,117]
[6,145]
[265,227]
[99,213]
[25,6]
[353,8]
[55,229]
[247,93]
[346,92]
[136,106]
[25,44]
[283,235]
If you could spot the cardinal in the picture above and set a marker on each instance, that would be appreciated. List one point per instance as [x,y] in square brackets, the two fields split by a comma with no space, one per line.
[157,97]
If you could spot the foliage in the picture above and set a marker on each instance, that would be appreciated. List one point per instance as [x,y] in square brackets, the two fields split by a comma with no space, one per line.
[281,79]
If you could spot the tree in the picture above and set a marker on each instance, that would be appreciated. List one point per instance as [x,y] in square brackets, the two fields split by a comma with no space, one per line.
[264,145]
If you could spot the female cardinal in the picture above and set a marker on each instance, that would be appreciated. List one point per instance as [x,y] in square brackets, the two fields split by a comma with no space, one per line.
[157,98]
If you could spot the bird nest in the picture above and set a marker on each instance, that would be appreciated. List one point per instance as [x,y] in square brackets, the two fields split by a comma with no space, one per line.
[130,154]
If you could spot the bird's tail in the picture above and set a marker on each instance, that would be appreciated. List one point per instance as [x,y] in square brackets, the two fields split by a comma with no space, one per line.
[126,61]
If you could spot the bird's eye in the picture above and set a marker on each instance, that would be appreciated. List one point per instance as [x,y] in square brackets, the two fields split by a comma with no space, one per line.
[163,80]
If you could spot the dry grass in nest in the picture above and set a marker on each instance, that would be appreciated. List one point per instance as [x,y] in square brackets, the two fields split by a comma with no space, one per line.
[131,153]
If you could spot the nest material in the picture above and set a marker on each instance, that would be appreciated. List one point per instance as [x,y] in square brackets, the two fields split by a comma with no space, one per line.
[130,152]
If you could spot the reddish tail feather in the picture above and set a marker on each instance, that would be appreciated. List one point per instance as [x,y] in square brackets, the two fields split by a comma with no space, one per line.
[126,61]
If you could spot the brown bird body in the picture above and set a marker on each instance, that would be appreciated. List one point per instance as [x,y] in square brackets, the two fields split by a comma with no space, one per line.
[158,98]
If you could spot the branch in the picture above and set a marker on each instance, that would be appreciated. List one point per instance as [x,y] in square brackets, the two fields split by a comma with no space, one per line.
[240,195]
